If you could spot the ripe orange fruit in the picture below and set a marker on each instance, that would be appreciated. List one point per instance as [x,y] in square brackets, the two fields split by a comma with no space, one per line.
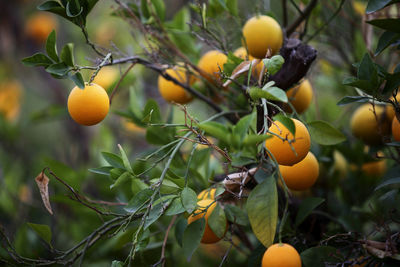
[282,150]
[88,106]
[207,194]
[132,127]
[302,175]
[106,77]
[375,168]
[40,25]
[173,92]
[10,99]
[242,53]
[281,255]
[211,63]
[208,237]
[368,127]
[262,33]
[396,129]
[300,96]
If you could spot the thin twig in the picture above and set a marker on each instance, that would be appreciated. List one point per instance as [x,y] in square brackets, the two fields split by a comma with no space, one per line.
[303,16]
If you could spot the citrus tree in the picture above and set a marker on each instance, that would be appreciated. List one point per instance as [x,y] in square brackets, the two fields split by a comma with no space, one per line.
[236,161]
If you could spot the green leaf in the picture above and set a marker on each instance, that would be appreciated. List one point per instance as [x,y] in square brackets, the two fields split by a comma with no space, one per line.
[366,69]
[236,215]
[59,69]
[138,202]
[364,85]
[271,93]
[77,79]
[392,82]
[253,139]
[175,207]
[232,6]
[151,112]
[352,99]
[192,237]
[67,54]
[273,64]
[386,39]
[217,221]
[53,7]
[287,122]
[217,130]
[241,128]
[51,47]
[43,231]
[167,187]
[180,227]
[180,20]
[102,170]
[325,134]
[73,9]
[116,263]
[320,256]
[392,25]
[262,209]
[393,181]
[155,213]
[123,178]
[125,159]
[189,199]
[306,207]
[113,159]
[38,59]
[375,5]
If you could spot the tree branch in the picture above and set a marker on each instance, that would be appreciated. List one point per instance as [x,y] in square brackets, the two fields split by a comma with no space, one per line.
[303,16]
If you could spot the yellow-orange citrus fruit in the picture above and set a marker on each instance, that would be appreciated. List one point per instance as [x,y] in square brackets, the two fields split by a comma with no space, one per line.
[10,99]
[340,164]
[242,53]
[133,128]
[359,7]
[211,63]
[207,194]
[88,106]
[105,33]
[262,33]
[40,25]
[281,255]
[173,92]
[282,150]
[302,175]
[374,168]
[208,237]
[300,96]
[368,127]
[396,129]
[106,77]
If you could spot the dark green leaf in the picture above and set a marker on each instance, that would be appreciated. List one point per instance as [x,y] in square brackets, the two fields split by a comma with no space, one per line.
[51,47]
[53,7]
[122,179]
[392,82]
[325,134]
[192,237]
[392,25]
[386,39]
[375,5]
[351,99]
[364,85]
[393,181]
[78,79]
[59,69]
[306,207]
[38,59]
[320,256]
[262,209]
[67,54]
[189,199]
[287,122]
[73,9]
[155,213]
[175,207]
[180,227]
[241,128]
[151,113]
[217,221]
[236,215]
[43,231]
[139,201]
[113,159]
[366,69]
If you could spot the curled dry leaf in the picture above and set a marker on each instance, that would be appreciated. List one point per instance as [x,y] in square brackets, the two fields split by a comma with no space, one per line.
[234,180]
[43,183]
[241,69]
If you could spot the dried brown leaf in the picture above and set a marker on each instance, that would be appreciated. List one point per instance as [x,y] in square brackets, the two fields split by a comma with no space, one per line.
[242,68]
[43,183]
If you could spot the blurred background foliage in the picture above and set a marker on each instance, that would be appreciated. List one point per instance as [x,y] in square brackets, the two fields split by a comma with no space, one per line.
[36,131]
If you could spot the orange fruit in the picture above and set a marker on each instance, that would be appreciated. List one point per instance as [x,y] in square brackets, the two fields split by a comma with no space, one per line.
[10,99]
[208,237]
[368,127]
[396,129]
[106,77]
[302,175]
[88,106]
[40,25]
[281,255]
[207,194]
[211,63]
[173,92]
[285,153]
[300,96]
[374,168]
[132,127]
[262,33]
